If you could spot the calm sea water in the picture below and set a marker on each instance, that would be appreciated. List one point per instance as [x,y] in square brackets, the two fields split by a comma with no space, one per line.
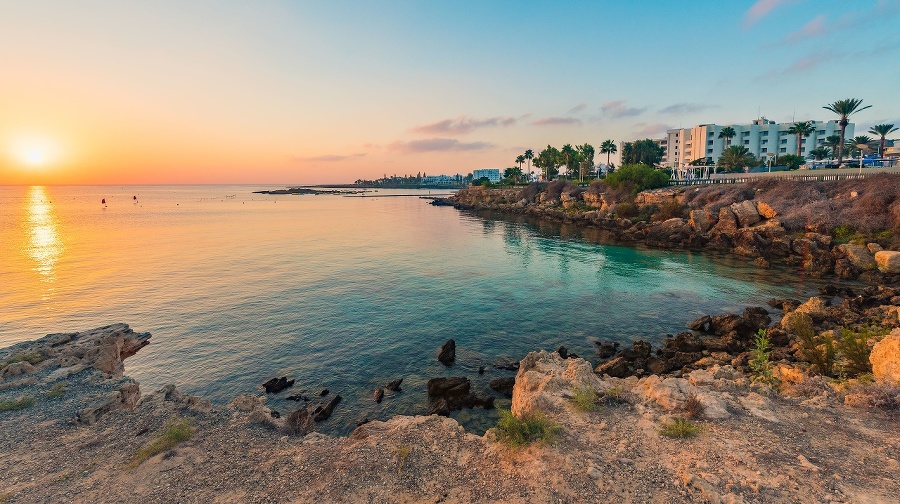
[343,293]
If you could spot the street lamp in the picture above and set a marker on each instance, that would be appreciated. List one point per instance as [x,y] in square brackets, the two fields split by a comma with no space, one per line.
[862,147]
[771,156]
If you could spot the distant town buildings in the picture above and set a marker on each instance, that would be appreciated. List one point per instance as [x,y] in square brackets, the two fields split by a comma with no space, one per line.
[761,137]
[442,180]
[492,174]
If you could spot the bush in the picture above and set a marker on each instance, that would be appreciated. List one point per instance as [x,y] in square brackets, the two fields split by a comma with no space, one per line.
[17,404]
[759,364]
[679,428]
[670,210]
[626,210]
[692,407]
[637,178]
[855,348]
[535,427]
[57,391]
[586,399]
[817,349]
[175,432]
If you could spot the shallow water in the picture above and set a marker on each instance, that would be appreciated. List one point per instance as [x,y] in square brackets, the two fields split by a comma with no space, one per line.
[343,293]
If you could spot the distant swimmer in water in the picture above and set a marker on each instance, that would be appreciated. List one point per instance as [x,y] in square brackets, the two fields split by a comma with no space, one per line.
[103,201]
[134,198]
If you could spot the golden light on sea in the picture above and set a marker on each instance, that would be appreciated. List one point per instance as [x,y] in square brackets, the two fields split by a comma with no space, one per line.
[44,246]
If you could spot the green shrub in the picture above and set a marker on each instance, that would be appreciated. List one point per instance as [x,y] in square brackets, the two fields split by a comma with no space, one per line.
[176,431]
[535,427]
[843,234]
[637,178]
[679,428]
[625,210]
[817,349]
[17,404]
[760,366]
[57,391]
[586,399]
[855,348]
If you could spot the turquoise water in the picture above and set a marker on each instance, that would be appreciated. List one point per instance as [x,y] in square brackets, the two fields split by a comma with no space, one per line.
[343,293]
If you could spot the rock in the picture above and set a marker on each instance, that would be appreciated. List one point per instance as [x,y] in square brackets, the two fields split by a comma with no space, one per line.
[16,369]
[124,398]
[814,307]
[656,366]
[746,213]
[378,394]
[453,393]
[765,210]
[450,386]
[669,393]
[322,412]
[761,262]
[480,369]
[701,324]
[859,256]
[543,380]
[874,248]
[275,385]
[196,404]
[700,220]
[506,364]
[758,317]
[394,385]
[447,353]
[563,352]
[616,367]
[297,397]
[784,304]
[299,423]
[247,402]
[727,223]
[504,385]
[606,349]
[728,323]
[323,392]
[885,358]
[888,261]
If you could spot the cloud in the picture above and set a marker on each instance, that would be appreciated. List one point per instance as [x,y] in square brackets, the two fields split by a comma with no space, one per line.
[686,108]
[761,9]
[617,108]
[437,145]
[814,28]
[882,12]
[462,125]
[577,108]
[652,130]
[802,65]
[556,121]
[330,158]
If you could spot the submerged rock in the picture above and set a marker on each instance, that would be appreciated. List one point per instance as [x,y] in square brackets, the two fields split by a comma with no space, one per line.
[453,393]
[275,385]
[394,385]
[504,385]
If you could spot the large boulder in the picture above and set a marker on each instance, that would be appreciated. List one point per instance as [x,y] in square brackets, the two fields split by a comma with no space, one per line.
[888,261]
[727,222]
[616,367]
[700,220]
[746,213]
[544,378]
[124,398]
[447,353]
[765,210]
[452,393]
[858,255]
[885,358]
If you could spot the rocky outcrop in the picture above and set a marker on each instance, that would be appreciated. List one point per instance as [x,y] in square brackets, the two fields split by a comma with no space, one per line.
[888,261]
[885,358]
[276,385]
[545,379]
[447,353]
[454,393]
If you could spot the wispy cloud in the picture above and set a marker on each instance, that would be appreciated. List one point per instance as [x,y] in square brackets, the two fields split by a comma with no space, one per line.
[578,108]
[686,108]
[437,145]
[814,28]
[617,108]
[652,130]
[802,65]
[556,121]
[330,158]
[462,125]
[761,9]
[882,12]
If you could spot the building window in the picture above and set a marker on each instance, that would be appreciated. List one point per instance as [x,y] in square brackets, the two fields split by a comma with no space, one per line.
[746,142]
[821,141]
[783,141]
[764,133]
[709,143]
[709,151]
[782,133]
[711,134]
[782,150]
[803,150]
[821,132]
[764,150]
[764,142]
[745,133]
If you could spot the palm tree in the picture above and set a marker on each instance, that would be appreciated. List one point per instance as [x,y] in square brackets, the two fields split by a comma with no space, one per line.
[801,129]
[568,153]
[529,154]
[844,108]
[735,158]
[882,130]
[820,153]
[608,147]
[520,159]
[727,133]
[586,153]
[854,144]
[833,141]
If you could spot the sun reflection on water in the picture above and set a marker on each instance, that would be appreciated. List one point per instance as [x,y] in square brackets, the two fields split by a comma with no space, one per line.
[44,245]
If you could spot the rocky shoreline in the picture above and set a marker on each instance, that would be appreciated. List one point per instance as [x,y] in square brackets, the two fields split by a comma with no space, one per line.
[815,441]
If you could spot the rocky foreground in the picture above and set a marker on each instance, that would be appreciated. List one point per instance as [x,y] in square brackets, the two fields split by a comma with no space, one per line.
[73,428]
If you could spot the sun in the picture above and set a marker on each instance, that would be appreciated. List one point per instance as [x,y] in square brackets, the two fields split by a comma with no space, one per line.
[34,152]
[34,157]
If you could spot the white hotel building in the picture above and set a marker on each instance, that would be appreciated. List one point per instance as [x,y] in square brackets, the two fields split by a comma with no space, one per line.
[761,137]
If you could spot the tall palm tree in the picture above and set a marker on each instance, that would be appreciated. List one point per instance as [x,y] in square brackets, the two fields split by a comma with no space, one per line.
[833,142]
[801,129]
[882,130]
[854,143]
[520,159]
[727,133]
[608,147]
[735,158]
[845,108]
[568,153]
[820,153]
[529,155]
[586,152]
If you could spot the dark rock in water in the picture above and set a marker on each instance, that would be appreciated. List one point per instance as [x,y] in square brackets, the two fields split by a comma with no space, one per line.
[728,323]
[616,367]
[481,370]
[297,397]
[828,290]
[322,412]
[276,385]
[606,349]
[441,202]
[504,385]
[507,364]
[453,393]
[447,353]
[364,421]
[682,342]
[323,392]
[379,394]
[784,304]
[299,422]
[657,366]
[393,386]
[640,349]
[275,414]
[757,317]
[701,324]
[563,352]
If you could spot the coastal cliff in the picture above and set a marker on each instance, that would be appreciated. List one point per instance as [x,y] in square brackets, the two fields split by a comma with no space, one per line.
[848,229]
[87,435]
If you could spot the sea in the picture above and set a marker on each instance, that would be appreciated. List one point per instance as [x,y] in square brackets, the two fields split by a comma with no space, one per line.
[339,292]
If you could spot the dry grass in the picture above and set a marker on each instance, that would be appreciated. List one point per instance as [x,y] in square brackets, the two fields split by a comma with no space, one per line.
[17,404]
[534,428]
[175,432]
[692,407]
[679,428]
[586,399]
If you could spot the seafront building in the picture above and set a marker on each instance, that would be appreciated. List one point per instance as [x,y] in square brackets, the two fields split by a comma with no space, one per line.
[492,174]
[761,137]
[442,180]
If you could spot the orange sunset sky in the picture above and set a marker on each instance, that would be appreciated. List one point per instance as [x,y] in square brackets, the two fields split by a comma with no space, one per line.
[115,92]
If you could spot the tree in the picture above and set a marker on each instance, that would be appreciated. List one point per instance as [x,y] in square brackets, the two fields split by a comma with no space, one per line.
[882,130]
[642,152]
[529,155]
[792,161]
[833,142]
[820,153]
[727,133]
[637,177]
[548,161]
[586,155]
[844,108]
[735,158]
[520,159]
[608,147]
[853,144]
[512,174]
[567,152]
[801,129]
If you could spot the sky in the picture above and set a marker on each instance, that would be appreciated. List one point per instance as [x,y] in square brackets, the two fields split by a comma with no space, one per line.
[305,92]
